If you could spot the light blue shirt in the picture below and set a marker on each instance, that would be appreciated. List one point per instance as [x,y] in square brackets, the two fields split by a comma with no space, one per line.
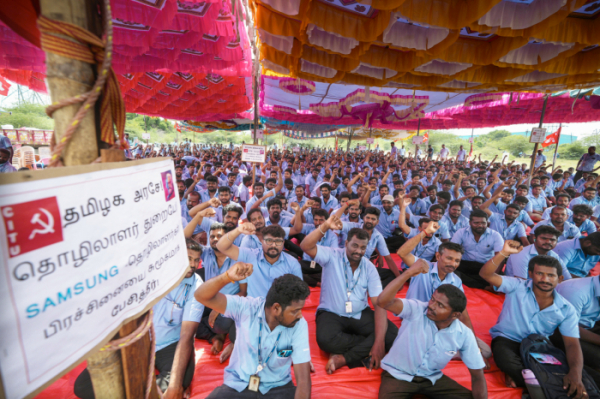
[254,198]
[375,242]
[570,231]
[517,265]
[311,182]
[452,227]
[521,314]
[422,285]
[489,243]
[419,207]
[442,233]
[499,224]
[329,205]
[330,239]
[178,306]
[586,227]
[577,261]
[363,283]
[6,167]
[264,273]
[588,161]
[538,204]
[584,295]
[426,251]
[300,203]
[284,220]
[581,200]
[387,223]
[248,314]
[430,353]
[212,269]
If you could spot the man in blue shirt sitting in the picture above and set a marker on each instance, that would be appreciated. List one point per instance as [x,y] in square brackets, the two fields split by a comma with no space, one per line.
[272,336]
[580,254]
[584,295]
[176,318]
[347,327]
[532,307]
[214,327]
[430,336]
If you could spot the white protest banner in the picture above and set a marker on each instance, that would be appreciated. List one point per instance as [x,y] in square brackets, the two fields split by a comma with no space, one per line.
[260,133]
[84,249]
[146,136]
[471,140]
[362,148]
[417,140]
[370,140]
[538,135]
[254,153]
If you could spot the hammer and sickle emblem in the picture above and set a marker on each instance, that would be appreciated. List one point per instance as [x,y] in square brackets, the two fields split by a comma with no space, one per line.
[47,227]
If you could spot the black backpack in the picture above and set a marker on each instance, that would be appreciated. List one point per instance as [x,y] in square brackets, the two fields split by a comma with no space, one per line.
[550,376]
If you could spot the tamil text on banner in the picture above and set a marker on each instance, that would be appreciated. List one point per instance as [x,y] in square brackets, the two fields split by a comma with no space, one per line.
[254,153]
[84,249]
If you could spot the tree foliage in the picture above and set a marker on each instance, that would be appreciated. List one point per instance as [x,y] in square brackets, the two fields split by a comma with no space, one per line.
[27,115]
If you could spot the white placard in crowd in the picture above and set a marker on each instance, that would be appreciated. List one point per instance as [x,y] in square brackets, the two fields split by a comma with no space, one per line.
[146,136]
[370,140]
[296,149]
[471,140]
[260,133]
[417,140]
[84,249]
[362,148]
[538,135]
[254,153]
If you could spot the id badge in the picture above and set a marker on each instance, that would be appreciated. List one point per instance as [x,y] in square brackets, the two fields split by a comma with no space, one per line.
[254,383]
[313,264]
[348,307]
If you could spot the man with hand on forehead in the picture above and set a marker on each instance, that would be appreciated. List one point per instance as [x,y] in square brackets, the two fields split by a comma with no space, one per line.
[272,335]
[430,336]
[441,272]
[347,327]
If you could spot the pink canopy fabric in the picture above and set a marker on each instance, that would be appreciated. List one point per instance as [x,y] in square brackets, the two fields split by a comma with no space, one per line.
[178,59]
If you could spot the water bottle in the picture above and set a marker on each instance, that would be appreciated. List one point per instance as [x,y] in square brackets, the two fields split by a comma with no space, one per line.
[533,386]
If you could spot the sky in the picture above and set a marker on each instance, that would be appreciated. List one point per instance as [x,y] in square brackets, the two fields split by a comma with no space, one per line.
[576,129]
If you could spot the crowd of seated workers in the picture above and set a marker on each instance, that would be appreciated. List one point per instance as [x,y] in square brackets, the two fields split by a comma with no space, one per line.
[259,235]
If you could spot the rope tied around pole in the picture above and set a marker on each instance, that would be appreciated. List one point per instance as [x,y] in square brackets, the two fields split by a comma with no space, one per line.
[145,326]
[71,41]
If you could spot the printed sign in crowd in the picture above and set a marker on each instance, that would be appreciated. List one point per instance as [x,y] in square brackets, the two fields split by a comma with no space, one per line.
[81,254]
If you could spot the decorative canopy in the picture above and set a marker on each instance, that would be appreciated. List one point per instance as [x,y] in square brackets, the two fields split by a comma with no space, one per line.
[434,45]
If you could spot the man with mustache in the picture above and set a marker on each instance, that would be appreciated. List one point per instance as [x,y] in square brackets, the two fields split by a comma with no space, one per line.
[347,327]
[545,240]
[269,260]
[581,254]
[558,220]
[533,307]
[480,244]
[176,318]
[273,335]
[430,336]
[214,327]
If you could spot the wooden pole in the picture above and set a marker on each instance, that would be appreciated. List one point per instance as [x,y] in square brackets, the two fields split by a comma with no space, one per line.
[67,78]
[556,146]
[535,148]
[418,134]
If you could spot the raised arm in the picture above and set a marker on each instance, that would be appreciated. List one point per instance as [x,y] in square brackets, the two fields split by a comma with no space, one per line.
[309,244]
[489,271]
[402,218]
[208,293]
[297,221]
[188,231]
[404,252]
[387,299]
[225,244]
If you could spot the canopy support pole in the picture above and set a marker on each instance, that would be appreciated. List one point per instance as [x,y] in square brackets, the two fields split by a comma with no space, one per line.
[370,134]
[418,134]
[556,145]
[351,131]
[535,148]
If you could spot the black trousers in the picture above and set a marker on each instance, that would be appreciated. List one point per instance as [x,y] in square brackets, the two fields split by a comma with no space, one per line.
[591,352]
[286,391]
[444,388]
[507,355]
[223,325]
[577,176]
[293,249]
[468,271]
[351,337]
[394,243]
[163,362]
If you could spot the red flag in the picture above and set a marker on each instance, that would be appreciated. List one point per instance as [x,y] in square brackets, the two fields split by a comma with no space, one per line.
[552,138]
[4,86]
[426,137]
[471,152]
[177,127]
